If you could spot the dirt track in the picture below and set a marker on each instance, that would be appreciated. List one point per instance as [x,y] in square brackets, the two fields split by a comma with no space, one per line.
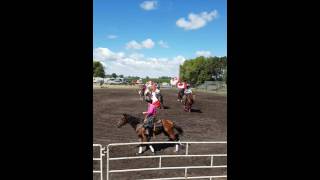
[207,122]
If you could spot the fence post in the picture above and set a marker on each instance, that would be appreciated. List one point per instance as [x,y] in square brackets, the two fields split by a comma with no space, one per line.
[101,163]
[107,162]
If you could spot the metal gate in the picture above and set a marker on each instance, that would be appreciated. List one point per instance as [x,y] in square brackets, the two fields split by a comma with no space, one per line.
[159,157]
[100,158]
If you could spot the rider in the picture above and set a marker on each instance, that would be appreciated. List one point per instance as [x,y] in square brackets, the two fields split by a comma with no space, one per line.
[188,89]
[148,87]
[155,96]
[149,117]
[181,86]
[144,87]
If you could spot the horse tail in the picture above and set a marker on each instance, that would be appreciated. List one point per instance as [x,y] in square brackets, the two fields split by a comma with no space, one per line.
[178,128]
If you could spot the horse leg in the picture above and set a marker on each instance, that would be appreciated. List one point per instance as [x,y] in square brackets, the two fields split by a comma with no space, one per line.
[174,137]
[151,148]
[143,138]
[147,139]
[140,149]
[178,144]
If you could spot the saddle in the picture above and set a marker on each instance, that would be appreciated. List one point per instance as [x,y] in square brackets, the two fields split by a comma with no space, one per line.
[156,125]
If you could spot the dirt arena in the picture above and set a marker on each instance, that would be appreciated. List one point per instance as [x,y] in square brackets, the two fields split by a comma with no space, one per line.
[207,122]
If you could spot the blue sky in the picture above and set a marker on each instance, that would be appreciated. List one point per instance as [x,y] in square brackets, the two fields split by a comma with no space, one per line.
[152,38]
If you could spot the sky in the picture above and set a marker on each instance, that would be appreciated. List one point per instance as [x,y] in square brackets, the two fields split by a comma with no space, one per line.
[152,38]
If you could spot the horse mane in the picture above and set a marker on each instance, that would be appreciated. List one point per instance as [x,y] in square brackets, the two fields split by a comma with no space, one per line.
[132,119]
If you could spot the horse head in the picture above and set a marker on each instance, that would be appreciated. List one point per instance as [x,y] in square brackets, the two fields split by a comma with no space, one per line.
[124,120]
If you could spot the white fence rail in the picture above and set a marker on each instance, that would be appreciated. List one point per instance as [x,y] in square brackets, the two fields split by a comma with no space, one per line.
[100,158]
[159,157]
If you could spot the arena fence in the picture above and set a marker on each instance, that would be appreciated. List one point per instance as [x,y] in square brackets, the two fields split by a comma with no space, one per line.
[159,157]
[99,159]
[212,86]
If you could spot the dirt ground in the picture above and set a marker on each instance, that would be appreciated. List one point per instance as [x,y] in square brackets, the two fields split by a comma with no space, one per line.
[207,122]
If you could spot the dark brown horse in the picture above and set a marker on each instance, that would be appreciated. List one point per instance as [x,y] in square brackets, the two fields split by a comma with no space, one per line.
[141,92]
[188,102]
[160,98]
[180,94]
[162,126]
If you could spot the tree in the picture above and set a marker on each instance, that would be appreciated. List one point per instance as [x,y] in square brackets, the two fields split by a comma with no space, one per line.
[121,76]
[196,71]
[114,75]
[98,70]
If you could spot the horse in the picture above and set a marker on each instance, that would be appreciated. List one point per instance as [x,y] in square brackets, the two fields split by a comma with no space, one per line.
[141,93]
[160,98]
[164,126]
[188,102]
[180,95]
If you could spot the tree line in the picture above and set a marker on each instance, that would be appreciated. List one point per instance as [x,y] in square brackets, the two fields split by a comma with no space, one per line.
[198,70]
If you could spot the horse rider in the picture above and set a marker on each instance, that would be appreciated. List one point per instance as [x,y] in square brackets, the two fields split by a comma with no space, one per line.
[181,86]
[155,96]
[143,88]
[148,87]
[150,116]
[188,89]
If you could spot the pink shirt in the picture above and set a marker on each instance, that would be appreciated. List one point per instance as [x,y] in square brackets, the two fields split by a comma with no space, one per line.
[152,110]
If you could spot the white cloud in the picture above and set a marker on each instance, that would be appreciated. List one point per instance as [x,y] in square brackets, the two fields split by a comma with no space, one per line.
[179,59]
[103,54]
[133,45]
[148,44]
[203,53]
[136,56]
[196,21]
[163,44]
[149,5]
[111,36]
[137,64]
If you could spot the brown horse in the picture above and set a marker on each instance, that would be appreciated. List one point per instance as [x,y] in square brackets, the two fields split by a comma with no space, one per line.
[188,102]
[160,98]
[162,126]
[141,91]
[180,95]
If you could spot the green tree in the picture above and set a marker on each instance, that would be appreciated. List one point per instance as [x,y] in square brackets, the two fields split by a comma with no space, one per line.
[121,76]
[114,75]
[98,70]
[196,71]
